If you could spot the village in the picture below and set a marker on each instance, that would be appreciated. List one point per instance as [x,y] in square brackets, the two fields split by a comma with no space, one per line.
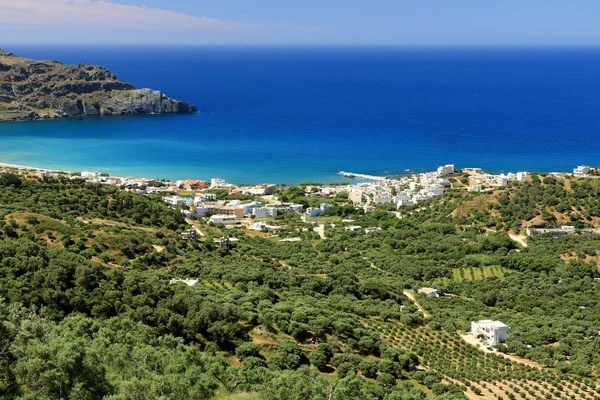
[199,199]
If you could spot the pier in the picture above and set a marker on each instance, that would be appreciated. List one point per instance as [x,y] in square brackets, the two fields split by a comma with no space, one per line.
[361,176]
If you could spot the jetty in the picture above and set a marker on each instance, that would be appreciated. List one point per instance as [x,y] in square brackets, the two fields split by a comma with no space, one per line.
[361,176]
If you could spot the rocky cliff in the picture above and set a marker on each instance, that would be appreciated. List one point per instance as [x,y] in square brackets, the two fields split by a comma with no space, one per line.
[32,90]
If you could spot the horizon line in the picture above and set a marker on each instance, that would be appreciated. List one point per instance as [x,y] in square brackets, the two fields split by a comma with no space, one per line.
[313,45]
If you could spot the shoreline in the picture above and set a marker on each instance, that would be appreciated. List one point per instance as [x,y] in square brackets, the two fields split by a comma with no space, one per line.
[28,167]
[352,176]
[21,167]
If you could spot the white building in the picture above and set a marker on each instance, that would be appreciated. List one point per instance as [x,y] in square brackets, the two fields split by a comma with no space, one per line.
[474,188]
[275,209]
[223,219]
[405,203]
[249,207]
[354,228]
[429,292]
[382,199]
[316,211]
[312,212]
[260,212]
[173,200]
[582,170]
[260,226]
[491,332]
[189,282]
[90,175]
[260,190]
[521,176]
[210,196]
[445,170]
[502,180]
[218,182]
[435,190]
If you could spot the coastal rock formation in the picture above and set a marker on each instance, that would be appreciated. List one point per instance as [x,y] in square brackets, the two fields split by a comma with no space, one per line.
[31,90]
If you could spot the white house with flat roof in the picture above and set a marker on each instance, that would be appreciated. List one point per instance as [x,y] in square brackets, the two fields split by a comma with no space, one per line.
[491,332]
[429,292]
[521,176]
[223,219]
[445,170]
[218,182]
[582,170]
[90,175]
[188,282]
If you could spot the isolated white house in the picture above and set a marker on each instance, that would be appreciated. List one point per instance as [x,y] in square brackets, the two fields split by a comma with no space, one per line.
[429,292]
[491,332]
[582,170]
[188,282]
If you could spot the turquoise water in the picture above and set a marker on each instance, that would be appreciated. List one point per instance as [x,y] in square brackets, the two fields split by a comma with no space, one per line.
[300,114]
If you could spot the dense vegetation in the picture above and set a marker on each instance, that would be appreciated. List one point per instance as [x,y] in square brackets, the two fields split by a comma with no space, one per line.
[87,309]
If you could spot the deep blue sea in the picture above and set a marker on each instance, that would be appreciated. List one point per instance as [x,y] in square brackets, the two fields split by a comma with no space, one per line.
[302,114]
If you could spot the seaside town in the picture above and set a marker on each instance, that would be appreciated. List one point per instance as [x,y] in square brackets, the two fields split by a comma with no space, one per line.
[199,198]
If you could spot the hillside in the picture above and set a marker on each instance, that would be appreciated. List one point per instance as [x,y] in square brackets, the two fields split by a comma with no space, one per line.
[88,310]
[543,201]
[31,90]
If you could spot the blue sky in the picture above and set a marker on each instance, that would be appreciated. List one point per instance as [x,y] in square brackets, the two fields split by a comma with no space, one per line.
[315,22]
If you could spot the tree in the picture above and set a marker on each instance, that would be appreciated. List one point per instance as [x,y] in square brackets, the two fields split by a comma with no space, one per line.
[345,368]
[10,179]
[247,349]
[386,380]
[289,356]
[321,356]
[369,368]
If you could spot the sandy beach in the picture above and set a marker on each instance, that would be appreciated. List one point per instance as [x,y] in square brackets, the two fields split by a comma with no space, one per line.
[24,167]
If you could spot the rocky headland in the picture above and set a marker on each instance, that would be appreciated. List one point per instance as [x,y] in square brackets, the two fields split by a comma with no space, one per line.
[32,90]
